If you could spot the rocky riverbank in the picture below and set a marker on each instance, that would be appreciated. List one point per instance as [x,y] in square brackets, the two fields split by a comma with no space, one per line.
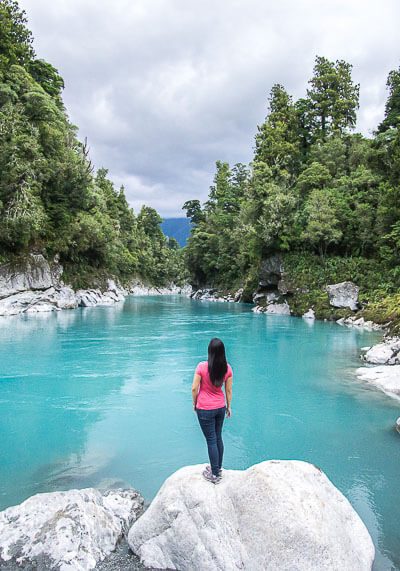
[383,370]
[277,514]
[36,285]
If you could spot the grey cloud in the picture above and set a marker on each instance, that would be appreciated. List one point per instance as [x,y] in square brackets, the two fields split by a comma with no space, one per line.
[163,88]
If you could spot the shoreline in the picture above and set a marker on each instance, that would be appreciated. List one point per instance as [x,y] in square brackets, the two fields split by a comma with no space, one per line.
[381,366]
[37,287]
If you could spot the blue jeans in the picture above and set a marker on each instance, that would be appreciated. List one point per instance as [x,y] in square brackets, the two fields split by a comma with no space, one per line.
[211,422]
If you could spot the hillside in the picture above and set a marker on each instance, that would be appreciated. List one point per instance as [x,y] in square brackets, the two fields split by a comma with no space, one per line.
[178,228]
[324,198]
[52,201]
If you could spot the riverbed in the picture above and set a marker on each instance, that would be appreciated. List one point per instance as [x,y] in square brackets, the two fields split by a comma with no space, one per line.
[101,397]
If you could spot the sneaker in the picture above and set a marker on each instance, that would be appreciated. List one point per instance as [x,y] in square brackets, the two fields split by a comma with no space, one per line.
[209,476]
[208,468]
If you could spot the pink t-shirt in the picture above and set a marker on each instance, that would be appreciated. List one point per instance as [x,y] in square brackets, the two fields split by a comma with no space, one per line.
[209,396]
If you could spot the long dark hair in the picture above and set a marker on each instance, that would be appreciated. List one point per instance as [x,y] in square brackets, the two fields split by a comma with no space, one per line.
[217,365]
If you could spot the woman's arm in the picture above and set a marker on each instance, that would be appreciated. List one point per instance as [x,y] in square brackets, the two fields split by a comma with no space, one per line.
[195,389]
[228,393]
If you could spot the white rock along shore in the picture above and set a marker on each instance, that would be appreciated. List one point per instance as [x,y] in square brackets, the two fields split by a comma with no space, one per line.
[37,287]
[385,372]
[278,514]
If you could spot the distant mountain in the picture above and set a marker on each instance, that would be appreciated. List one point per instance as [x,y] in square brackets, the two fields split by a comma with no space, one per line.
[178,228]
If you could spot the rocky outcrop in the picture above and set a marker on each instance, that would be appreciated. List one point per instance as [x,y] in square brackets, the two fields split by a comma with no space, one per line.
[397,426]
[138,288]
[273,308]
[275,515]
[32,273]
[271,269]
[343,295]
[51,299]
[359,323]
[385,353]
[213,295]
[385,376]
[70,531]
[35,286]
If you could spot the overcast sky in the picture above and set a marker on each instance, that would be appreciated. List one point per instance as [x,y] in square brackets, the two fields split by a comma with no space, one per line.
[164,88]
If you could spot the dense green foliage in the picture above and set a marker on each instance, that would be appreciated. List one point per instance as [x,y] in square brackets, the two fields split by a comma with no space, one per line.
[328,200]
[50,199]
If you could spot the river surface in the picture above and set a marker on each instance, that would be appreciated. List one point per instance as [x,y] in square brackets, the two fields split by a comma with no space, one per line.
[101,397]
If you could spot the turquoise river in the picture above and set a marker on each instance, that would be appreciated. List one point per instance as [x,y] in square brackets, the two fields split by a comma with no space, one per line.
[101,397]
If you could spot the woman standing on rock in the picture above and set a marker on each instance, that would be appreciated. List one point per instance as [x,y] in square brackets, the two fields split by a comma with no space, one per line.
[209,403]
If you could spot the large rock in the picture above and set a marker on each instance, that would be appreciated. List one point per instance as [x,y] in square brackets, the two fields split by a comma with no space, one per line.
[39,301]
[385,353]
[273,309]
[70,531]
[32,273]
[276,515]
[270,271]
[359,323]
[278,309]
[310,314]
[343,295]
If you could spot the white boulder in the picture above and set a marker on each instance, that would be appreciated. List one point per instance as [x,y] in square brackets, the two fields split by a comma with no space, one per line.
[359,323]
[310,314]
[70,531]
[39,301]
[387,352]
[278,309]
[384,377]
[275,515]
[344,294]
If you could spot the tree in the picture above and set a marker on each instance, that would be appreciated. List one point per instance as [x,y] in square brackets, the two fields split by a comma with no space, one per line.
[193,211]
[392,107]
[277,141]
[322,227]
[15,38]
[47,76]
[333,98]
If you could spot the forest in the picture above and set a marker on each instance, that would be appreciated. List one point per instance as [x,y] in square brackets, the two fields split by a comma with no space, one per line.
[321,195]
[52,200]
[327,199]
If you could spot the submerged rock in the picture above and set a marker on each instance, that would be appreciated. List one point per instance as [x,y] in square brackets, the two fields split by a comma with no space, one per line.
[275,515]
[398,425]
[344,294]
[70,531]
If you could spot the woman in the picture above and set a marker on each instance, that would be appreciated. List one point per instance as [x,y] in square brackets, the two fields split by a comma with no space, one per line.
[209,403]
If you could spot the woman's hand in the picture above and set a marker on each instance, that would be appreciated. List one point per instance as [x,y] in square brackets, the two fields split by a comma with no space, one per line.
[228,411]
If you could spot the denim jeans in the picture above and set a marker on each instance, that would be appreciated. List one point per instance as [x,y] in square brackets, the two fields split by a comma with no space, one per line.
[211,422]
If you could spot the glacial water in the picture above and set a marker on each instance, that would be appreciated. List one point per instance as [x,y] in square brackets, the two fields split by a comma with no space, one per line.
[101,397]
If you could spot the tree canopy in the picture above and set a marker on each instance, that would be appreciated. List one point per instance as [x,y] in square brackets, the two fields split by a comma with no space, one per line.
[51,200]
[313,185]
